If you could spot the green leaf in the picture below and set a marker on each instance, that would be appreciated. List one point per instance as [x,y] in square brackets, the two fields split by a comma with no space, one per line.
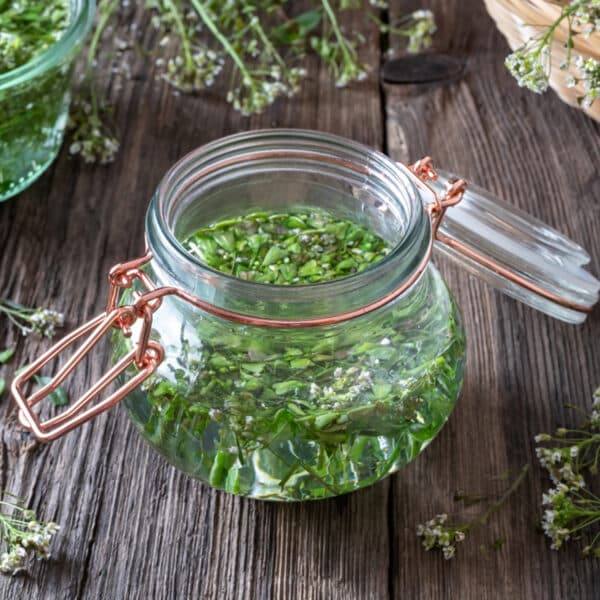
[297,28]
[226,240]
[6,355]
[310,268]
[275,254]
[308,21]
[2,385]
[58,397]
[300,363]
[254,368]
[285,387]
[380,390]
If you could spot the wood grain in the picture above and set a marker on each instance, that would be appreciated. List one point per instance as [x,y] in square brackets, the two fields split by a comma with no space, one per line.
[134,527]
[522,366]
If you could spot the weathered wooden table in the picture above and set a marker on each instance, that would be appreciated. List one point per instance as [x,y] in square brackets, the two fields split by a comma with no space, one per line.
[134,527]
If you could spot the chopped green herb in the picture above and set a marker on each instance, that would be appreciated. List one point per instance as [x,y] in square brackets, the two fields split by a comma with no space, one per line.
[28,29]
[302,414]
[58,397]
[6,355]
[284,249]
[34,111]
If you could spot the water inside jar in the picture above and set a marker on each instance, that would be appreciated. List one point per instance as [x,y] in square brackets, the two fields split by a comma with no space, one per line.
[291,248]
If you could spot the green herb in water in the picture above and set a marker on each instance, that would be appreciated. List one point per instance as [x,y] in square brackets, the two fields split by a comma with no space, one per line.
[308,413]
[28,29]
[33,111]
[287,248]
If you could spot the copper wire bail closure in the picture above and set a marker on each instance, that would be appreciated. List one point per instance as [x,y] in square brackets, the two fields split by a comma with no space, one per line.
[146,354]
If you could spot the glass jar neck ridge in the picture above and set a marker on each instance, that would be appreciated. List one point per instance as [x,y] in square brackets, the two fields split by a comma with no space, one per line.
[281,170]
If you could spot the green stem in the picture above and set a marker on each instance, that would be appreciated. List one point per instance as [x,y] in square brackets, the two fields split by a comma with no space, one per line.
[185,42]
[483,519]
[349,56]
[210,24]
[595,539]
[565,14]
[265,40]
[586,523]
[106,10]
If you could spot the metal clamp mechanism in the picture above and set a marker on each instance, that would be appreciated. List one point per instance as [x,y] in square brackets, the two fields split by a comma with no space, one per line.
[146,354]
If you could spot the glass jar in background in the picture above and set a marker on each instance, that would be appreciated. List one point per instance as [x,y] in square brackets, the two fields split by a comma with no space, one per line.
[34,105]
[308,391]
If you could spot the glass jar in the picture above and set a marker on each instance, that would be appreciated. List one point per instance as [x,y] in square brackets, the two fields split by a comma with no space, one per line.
[34,104]
[308,391]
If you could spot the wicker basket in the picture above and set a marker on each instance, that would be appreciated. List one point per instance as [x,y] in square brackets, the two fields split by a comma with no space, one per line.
[520,20]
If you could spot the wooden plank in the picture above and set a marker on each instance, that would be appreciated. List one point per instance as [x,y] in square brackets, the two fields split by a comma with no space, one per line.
[133,527]
[522,366]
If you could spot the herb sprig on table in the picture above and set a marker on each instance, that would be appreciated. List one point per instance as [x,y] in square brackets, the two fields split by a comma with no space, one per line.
[571,510]
[22,535]
[265,43]
[38,321]
[439,534]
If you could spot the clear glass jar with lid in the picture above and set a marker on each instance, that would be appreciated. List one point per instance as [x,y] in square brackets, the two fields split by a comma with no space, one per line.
[295,392]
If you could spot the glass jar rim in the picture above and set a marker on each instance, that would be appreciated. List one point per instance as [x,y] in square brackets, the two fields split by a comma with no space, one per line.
[374,282]
[84,11]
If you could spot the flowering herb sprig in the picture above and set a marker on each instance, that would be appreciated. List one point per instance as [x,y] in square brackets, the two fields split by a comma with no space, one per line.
[40,321]
[570,507]
[437,534]
[22,536]
[37,321]
[531,63]
[265,42]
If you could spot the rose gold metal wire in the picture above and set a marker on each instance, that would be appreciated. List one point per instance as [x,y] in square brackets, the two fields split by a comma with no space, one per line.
[147,355]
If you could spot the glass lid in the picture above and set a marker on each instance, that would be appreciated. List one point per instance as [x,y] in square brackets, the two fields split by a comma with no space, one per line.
[515,252]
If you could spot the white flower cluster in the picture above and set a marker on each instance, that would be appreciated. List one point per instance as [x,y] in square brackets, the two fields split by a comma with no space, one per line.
[200,73]
[559,464]
[557,506]
[347,386]
[256,93]
[44,322]
[436,534]
[90,137]
[32,539]
[529,66]
[421,30]
[595,416]
[586,16]
[589,77]
[569,506]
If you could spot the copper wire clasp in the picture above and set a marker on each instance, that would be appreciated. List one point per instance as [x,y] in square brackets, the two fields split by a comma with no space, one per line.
[145,354]
[455,190]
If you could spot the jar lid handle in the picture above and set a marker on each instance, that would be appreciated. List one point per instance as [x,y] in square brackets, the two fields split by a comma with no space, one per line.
[515,252]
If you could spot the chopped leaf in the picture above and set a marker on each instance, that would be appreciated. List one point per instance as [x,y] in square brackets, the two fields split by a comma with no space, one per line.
[6,355]
[58,397]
